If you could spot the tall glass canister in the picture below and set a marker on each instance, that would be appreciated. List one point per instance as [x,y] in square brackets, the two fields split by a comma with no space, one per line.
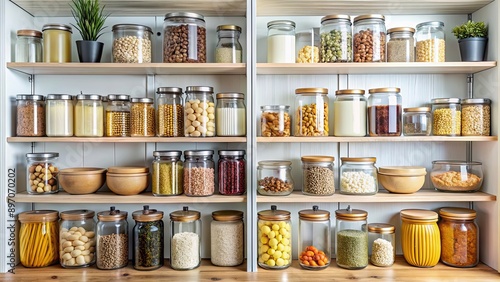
[230,114]
[232,172]
[228,48]
[118,116]
[199,173]
[59,115]
[77,240]
[431,42]
[148,239]
[30,111]
[57,43]
[169,112]
[29,46]
[385,112]
[227,238]
[199,112]
[369,39]
[185,240]
[142,117]
[112,239]
[314,238]
[274,236]
[281,41]
[381,244]
[89,116]
[336,39]
[349,109]
[184,38]
[351,238]
[167,173]
[311,112]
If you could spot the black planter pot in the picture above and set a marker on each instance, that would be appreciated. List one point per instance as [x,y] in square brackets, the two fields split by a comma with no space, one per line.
[472,49]
[89,51]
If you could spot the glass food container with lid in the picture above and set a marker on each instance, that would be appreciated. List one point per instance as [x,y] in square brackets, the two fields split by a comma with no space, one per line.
[417,121]
[369,38]
[199,112]
[227,238]
[401,45]
[430,46]
[275,121]
[307,46]
[274,236]
[199,173]
[381,244]
[112,239]
[281,41]
[228,48]
[351,238]
[118,116]
[232,172]
[89,116]
[457,176]
[41,173]
[142,117]
[169,112]
[131,43]
[77,240]
[167,177]
[336,39]
[476,117]
[184,38]
[358,176]
[57,43]
[311,112]
[30,112]
[446,117]
[28,46]
[185,240]
[385,112]
[274,178]
[318,175]
[230,114]
[59,115]
[349,109]
[148,239]
[314,238]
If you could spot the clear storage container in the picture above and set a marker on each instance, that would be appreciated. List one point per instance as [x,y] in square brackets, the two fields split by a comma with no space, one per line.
[358,176]
[274,178]
[184,38]
[457,176]
[89,116]
[59,115]
[28,46]
[318,175]
[30,112]
[169,112]
[281,41]
[369,38]
[227,235]
[77,240]
[118,116]
[476,117]
[307,46]
[311,112]
[417,121]
[57,43]
[401,45]
[274,236]
[314,238]
[167,178]
[199,173]
[431,42]
[230,114]
[185,240]
[336,39]
[200,113]
[142,117]
[349,110]
[232,172]
[351,238]
[148,239]
[446,117]
[275,121]
[385,112]
[131,43]
[112,239]
[41,173]
[381,244]
[228,48]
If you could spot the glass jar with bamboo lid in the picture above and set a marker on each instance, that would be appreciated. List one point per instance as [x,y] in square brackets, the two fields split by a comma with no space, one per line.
[381,244]
[351,238]
[314,238]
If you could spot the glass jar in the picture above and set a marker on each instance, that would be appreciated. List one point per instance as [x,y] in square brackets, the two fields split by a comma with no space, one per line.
[314,238]
[227,235]
[281,41]
[57,43]
[336,39]
[42,225]
[358,176]
[476,117]
[351,238]
[446,117]
[131,43]
[459,237]
[401,45]
[274,235]
[318,175]
[349,109]
[307,46]
[30,115]
[457,176]
[369,38]
[112,239]
[89,116]
[148,239]
[420,237]
[228,48]
[430,39]
[381,244]
[275,121]
[384,112]
[274,178]
[199,173]
[118,116]
[311,114]
[77,239]
[59,115]
[167,175]
[41,173]
[169,112]
[199,110]
[28,46]
[185,241]
[417,121]
[190,27]
[230,114]
[232,172]
[142,117]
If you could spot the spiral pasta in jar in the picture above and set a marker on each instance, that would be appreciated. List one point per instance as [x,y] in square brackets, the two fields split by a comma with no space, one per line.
[39,238]
[311,112]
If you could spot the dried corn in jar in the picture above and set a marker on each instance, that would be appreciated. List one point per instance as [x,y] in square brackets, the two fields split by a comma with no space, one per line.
[142,117]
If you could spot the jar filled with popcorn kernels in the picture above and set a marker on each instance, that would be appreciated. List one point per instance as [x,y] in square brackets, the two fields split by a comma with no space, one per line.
[358,176]
[131,43]
[311,112]
[274,178]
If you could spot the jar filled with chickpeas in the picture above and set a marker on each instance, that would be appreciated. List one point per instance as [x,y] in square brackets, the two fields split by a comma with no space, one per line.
[275,121]
[358,176]
[336,39]
[311,112]
[369,38]
[118,116]
[274,231]
[112,239]
[307,46]
[274,178]
[476,117]
[169,112]
[142,117]
[41,172]
[446,117]
[77,239]
[430,39]
[131,43]
[199,112]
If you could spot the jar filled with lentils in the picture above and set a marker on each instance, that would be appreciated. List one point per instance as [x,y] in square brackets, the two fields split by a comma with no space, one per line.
[431,42]
[199,173]
[274,178]
[318,175]
[184,38]
[369,38]
[131,43]
[232,172]
[30,115]
[384,112]
[336,39]
[118,116]
[142,117]
[167,175]
[112,239]
[169,112]
[401,45]
[199,112]
[446,117]
[476,117]
[311,112]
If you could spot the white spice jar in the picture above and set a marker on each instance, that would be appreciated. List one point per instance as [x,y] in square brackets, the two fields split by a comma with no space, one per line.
[227,238]
[381,244]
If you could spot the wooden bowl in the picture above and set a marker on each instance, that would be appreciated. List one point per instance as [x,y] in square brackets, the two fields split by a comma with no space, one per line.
[402,179]
[127,183]
[81,180]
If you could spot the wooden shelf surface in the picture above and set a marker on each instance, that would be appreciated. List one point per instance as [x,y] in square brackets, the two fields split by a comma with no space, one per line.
[127,139]
[333,139]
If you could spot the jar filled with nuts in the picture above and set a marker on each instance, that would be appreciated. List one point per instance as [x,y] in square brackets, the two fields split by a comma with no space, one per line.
[274,234]
[430,45]
[112,239]
[184,38]
[142,117]
[384,112]
[336,39]
[42,173]
[77,241]
[358,176]
[349,112]
[169,112]
[118,116]
[446,117]
[275,121]
[274,178]
[307,46]
[311,112]
[318,175]
[199,173]
[476,117]
[30,115]
[369,38]
[401,45]
[199,112]
[131,43]
[228,49]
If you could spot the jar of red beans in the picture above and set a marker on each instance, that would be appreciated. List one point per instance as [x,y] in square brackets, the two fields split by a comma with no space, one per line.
[384,112]
[232,180]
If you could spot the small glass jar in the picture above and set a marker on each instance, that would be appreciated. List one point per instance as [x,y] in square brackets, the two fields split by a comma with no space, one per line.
[311,112]
[232,172]
[59,115]
[41,173]
[314,238]
[230,114]
[417,121]
[358,176]
[349,109]
[369,38]
[199,173]
[401,45]
[28,46]
[227,235]
[381,244]
[351,238]
[274,178]
[420,237]
[274,236]
[112,239]
[193,46]
[44,250]
[77,241]
[281,41]
[185,241]
[476,117]
[384,112]
[459,237]
[336,39]
[30,115]
[457,176]
[118,116]
[89,116]
[148,239]
[142,117]
[307,46]
[169,112]
[275,121]
[318,175]
[199,112]
[446,117]
[57,43]
[431,42]
[228,48]
[131,43]
[167,175]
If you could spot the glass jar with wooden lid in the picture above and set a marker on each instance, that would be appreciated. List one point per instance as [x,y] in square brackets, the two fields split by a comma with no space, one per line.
[77,227]
[349,113]
[351,238]
[417,121]
[314,238]
[148,239]
[274,236]
[112,239]
[227,238]
[185,240]
[381,244]
[311,112]
[358,176]
[318,175]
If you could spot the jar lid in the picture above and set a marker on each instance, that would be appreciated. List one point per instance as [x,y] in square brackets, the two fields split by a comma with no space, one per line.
[418,214]
[184,15]
[132,27]
[384,90]
[430,24]
[142,100]
[77,214]
[230,95]
[147,214]
[30,97]
[274,214]
[401,29]
[311,91]
[200,89]
[227,215]
[281,22]
[169,90]
[29,32]
[128,169]
[381,228]
[457,213]
[42,155]
[416,109]
[231,152]
[446,101]
[38,216]
[198,153]
[369,17]
[229,27]
[476,101]
[351,214]
[59,97]
[455,162]
[314,214]
[350,92]
[276,163]
[57,26]
[274,107]
[118,97]
[317,159]
[402,170]
[185,215]
[167,153]
[336,17]
[89,97]
[359,160]
[112,215]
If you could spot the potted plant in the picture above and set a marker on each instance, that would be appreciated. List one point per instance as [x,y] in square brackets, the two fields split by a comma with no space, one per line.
[472,40]
[89,16]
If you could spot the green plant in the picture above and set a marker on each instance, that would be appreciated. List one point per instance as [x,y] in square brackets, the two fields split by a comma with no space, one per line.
[89,17]
[470,29]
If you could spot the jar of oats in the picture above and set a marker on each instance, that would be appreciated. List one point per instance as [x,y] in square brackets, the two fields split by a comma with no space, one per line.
[446,116]
[311,112]
[131,43]
[430,42]
[476,117]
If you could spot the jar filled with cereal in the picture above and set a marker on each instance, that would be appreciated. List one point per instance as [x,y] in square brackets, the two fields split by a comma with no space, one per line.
[184,38]
[274,236]
[336,39]
[430,39]
[118,116]
[199,173]
[131,43]
[476,117]
[274,178]
[311,112]
[369,38]
[142,117]
[169,112]
[314,238]
[77,241]
[318,175]
[307,46]
[401,45]
[381,244]
[358,176]
[275,121]
[446,117]
[41,172]
[384,112]
[199,112]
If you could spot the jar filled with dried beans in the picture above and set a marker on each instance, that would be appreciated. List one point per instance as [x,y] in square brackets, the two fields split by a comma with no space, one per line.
[184,38]
[384,112]
[232,179]
[169,112]
[199,173]
[30,115]
[336,39]
[131,43]
[318,175]
[199,112]
[369,38]
[476,117]
[142,117]
[118,116]
[112,239]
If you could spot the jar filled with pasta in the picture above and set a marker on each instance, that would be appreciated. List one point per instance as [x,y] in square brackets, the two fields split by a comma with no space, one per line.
[39,238]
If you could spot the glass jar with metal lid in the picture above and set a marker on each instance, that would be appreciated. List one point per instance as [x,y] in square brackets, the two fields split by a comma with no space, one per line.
[142,117]
[275,121]
[369,38]
[307,45]
[228,48]
[184,38]
[417,121]
[169,112]
[28,46]
[112,239]
[59,115]
[430,46]
[230,114]
[232,172]
[358,176]
[381,244]
[318,175]
[459,237]
[336,39]
[314,238]
[148,239]
[274,178]
[131,43]
[30,112]
[281,41]
[349,109]
[385,112]
[311,112]
[199,112]
[199,173]
[351,238]
[57,43]
[446,117]
[274,236]
[167,174]
[185,241]
[41,173]
[77,240]
[476,117]
[89,116]
[401,45]
[118,116]
[227,235]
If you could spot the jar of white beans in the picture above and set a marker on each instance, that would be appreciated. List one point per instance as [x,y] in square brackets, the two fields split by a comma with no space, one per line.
[358,176]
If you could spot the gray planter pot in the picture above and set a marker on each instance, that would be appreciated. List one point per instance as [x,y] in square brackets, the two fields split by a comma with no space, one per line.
[89,51]
[473,49]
